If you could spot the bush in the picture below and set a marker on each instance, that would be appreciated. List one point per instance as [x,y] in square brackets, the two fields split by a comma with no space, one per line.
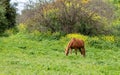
[22,28]
[80,36]
[89,17]
[39,36]
[11,31]
[117,41]
[102,42]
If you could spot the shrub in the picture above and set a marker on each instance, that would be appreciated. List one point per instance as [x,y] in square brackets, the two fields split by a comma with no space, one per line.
[80,36]
[117,41]
[11,31]
[102,42]
[22,28]
[89,17]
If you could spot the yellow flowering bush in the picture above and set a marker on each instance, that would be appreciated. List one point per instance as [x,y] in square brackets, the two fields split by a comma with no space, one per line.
[9,31]
[96,17]
[36,33]
[109,38]
[79,36]
[22,27]
[95,38]
[103,42]
[85,1]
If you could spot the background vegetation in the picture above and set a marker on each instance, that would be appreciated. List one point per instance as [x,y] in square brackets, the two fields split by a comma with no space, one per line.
[35,44]
[7,15]
[89,17]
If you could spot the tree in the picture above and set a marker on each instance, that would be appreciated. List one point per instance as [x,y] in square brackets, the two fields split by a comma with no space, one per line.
[9,14]
[3,20]
[89,17]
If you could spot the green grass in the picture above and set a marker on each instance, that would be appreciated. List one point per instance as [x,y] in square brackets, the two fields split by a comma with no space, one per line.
[22,56]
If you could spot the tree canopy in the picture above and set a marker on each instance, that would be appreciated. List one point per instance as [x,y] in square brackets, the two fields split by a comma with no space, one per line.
[7,15]
[89,17]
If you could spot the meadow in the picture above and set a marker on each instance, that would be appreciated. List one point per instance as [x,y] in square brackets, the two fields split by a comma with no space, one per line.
[33,54]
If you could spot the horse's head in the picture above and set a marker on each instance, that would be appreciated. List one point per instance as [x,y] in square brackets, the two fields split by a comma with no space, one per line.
[66,51]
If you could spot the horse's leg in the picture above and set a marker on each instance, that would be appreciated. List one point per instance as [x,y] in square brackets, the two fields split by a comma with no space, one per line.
[76,51]
[70,50]
[80,51]
[83,51]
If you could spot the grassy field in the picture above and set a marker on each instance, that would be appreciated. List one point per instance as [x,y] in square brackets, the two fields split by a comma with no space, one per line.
[22,56]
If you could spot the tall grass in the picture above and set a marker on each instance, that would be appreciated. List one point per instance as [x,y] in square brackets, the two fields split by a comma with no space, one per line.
[43,54]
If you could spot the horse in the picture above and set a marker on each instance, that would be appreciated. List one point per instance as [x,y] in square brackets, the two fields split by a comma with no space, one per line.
[75,44]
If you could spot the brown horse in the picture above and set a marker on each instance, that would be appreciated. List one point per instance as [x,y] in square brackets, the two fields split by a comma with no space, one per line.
[75,44]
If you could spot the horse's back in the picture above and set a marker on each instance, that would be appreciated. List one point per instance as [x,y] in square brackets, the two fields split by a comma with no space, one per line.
[76,43]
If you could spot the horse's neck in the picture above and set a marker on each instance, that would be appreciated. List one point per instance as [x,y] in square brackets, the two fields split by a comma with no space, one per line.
[67,48]
[69,44]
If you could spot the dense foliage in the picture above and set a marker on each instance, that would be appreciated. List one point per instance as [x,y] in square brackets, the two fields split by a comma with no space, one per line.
[7,15]
[116,22]
[68,16]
